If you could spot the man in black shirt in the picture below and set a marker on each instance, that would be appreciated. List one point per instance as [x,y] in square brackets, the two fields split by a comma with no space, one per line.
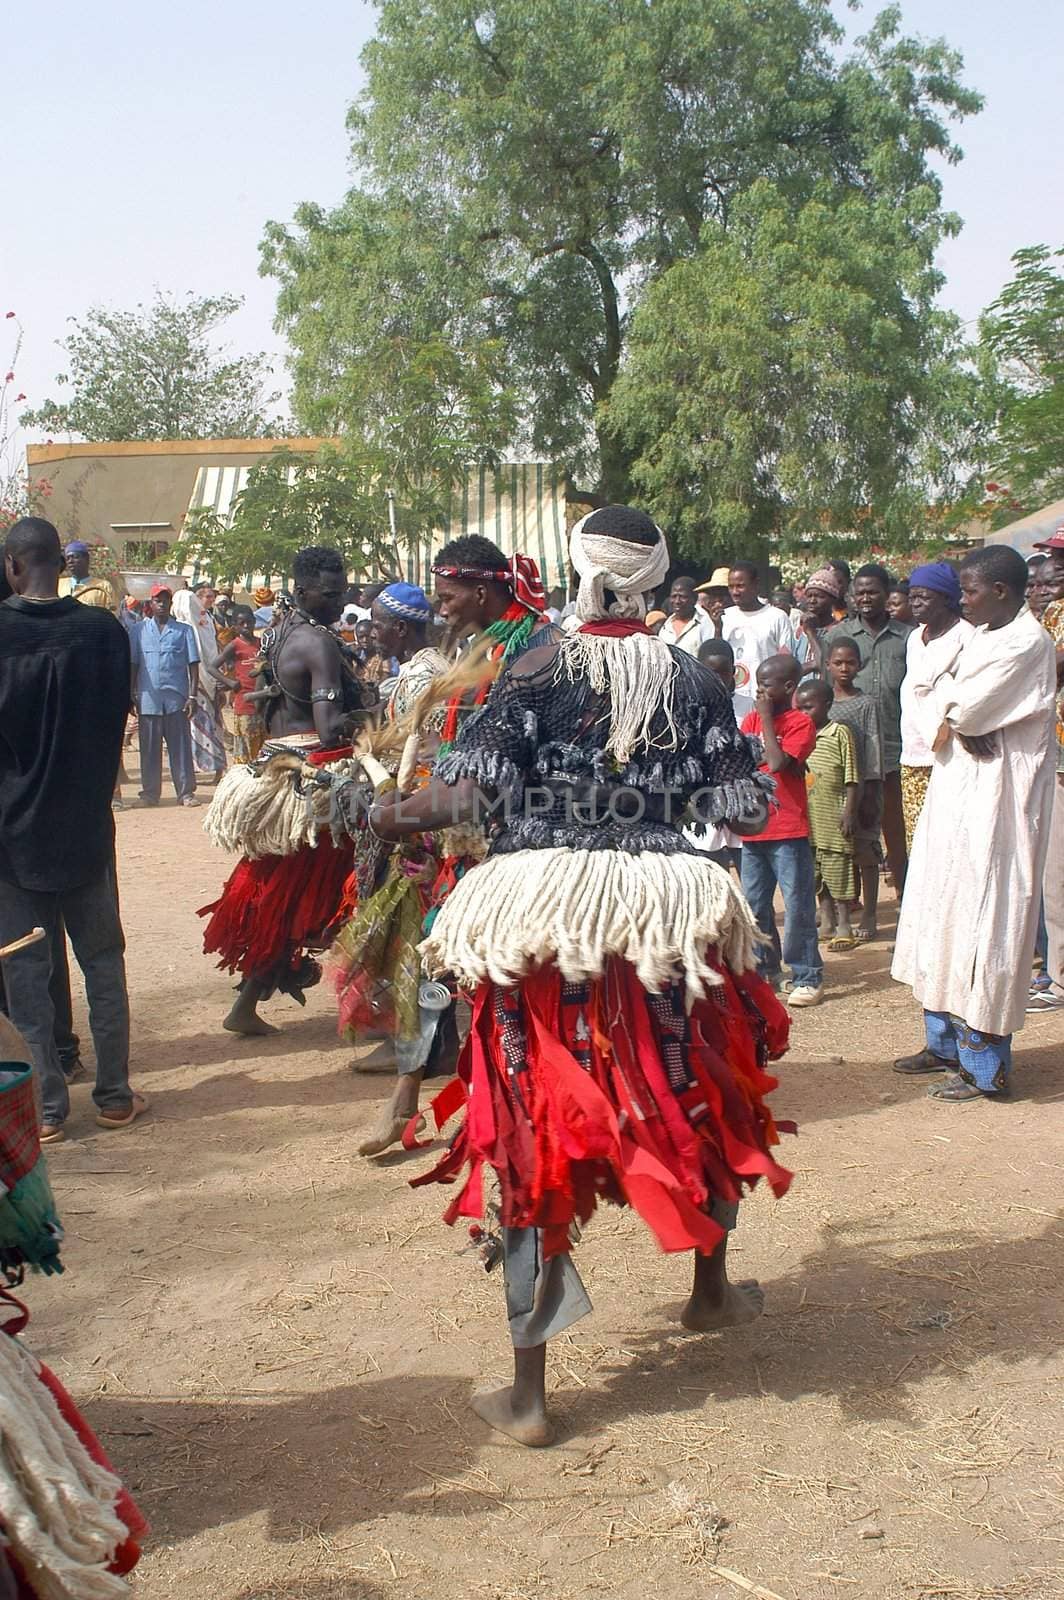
[64,697]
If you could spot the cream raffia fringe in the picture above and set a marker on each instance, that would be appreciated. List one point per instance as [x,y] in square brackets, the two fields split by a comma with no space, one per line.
[639,675]
[57,1505]
[577,908]
[260,811]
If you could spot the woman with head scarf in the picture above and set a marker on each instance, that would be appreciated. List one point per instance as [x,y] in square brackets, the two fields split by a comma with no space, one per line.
[619,1030]
[208,751]
[939,637]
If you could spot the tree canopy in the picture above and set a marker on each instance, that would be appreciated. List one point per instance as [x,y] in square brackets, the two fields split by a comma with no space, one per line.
[786,379]
[531,175]
[1022,366]
[157,373]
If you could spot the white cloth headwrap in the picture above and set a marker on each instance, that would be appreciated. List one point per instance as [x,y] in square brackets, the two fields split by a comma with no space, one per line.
[638,673]
[631,571]
[188,607]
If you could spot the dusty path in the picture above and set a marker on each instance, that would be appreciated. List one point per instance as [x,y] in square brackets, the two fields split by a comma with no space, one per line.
[277,1341]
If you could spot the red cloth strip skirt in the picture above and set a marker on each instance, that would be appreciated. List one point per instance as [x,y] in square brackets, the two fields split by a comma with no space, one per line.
[272,909]
[576,1093]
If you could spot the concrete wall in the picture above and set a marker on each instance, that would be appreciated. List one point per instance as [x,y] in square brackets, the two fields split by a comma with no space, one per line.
[132,493]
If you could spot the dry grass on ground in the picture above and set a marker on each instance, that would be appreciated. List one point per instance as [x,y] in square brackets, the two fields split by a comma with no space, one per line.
[278,1341]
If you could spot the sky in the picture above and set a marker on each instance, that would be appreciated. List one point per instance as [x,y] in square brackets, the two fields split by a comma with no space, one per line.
[146,147]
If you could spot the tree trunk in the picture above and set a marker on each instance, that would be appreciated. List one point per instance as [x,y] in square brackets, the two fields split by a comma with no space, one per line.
[615,463]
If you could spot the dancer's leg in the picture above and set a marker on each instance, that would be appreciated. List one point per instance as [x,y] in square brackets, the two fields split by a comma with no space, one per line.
[244,1017]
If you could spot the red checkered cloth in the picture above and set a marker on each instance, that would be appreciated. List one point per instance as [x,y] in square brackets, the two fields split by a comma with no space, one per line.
[20,1144]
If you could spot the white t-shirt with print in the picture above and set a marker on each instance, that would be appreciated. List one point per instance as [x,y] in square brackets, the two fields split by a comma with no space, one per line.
[755,636]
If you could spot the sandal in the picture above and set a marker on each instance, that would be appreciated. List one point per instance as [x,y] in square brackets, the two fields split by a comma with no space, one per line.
[1043,1000]
[843,941]
[137,1108]
[864,935]
[923,1061]
[954,1089]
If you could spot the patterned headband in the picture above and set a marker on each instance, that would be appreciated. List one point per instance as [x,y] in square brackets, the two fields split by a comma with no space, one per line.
[521,576]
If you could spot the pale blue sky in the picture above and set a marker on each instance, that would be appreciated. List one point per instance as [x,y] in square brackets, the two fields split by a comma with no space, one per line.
[141,152]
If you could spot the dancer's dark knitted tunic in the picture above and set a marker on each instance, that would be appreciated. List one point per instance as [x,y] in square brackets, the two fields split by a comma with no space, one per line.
[599,1089]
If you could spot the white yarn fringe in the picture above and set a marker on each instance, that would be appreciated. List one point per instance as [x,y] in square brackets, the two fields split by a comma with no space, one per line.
[265,814]
[639,674]
[577,908]
[57,1505]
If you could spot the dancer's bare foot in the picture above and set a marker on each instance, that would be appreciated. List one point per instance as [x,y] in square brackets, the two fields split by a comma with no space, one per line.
[529,1426]
[244,1017]
[739,1303]
[387,1130]
[251,1025]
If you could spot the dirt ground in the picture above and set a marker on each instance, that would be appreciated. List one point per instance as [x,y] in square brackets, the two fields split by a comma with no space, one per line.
[277,1340]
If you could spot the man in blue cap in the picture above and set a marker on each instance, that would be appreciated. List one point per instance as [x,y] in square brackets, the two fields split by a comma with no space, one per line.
[377,978]
[80,582]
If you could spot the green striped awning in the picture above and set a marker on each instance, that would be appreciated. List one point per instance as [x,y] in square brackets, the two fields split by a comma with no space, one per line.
[519,507]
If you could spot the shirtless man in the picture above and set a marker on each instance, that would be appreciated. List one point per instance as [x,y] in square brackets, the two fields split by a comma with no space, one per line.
[314,690]
[310,701]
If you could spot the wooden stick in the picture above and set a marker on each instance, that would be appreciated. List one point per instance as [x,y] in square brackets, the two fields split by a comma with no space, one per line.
[21,944]
[744,1583]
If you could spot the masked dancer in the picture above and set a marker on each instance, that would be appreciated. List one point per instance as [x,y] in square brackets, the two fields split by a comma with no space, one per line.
[619,1032]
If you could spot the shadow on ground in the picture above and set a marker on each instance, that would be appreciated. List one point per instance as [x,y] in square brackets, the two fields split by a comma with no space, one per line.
[865,1321]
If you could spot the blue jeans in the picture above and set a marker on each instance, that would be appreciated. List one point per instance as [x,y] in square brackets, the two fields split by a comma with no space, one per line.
[984,1059]
[788,863]
[175,730]
[92,921]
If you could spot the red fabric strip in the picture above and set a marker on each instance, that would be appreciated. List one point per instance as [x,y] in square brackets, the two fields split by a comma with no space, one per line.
[616,628]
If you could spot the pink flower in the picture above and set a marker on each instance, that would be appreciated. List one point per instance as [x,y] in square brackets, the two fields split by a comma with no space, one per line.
[19,397]
[9,377]
[8,316]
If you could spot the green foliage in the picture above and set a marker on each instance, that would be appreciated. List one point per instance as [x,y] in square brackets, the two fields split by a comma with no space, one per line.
[786,380]
[531,173]
[1022,366]
[385,350]
[290,501]
[156,373]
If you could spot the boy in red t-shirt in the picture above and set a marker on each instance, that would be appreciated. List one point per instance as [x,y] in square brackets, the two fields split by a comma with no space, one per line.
[781,853]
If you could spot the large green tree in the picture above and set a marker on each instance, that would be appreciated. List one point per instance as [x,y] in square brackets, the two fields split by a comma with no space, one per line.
[1021,353]
[529,171]
[157,372]
[789,377]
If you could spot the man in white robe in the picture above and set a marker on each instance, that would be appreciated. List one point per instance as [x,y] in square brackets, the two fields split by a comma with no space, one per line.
[970,910]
